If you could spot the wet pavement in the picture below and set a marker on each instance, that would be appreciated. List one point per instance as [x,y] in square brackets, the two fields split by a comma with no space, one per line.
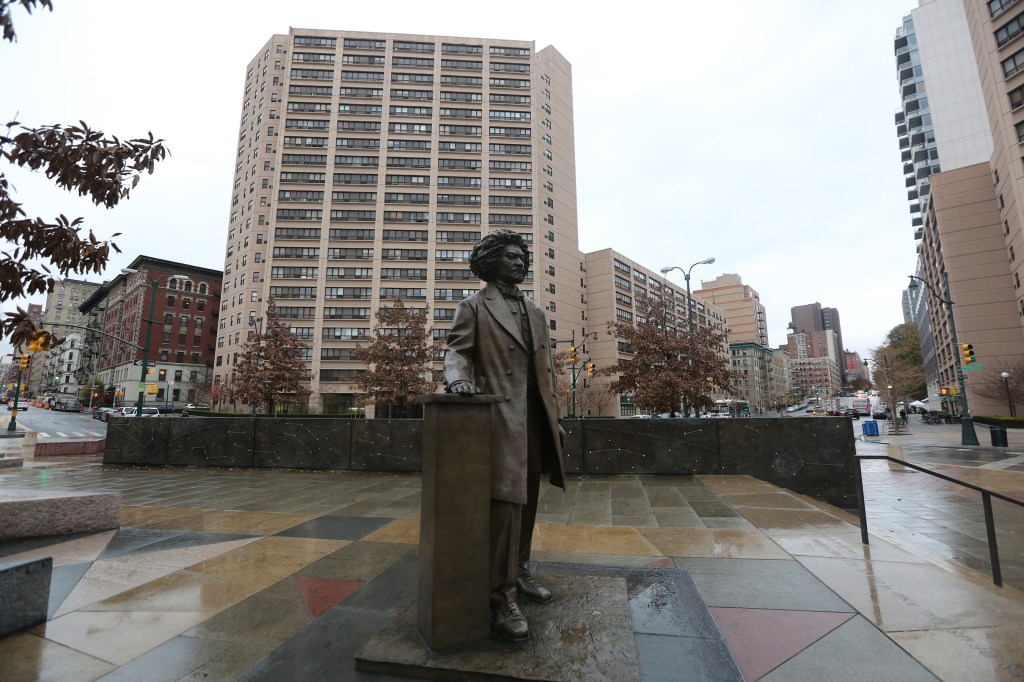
[941,516]
[264,575]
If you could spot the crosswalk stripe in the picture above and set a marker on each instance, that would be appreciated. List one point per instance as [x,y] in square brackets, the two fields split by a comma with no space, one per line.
[62,435]
[77,435]
[40,434]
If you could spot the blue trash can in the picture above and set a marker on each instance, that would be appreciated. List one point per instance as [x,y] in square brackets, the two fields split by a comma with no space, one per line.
[870,428]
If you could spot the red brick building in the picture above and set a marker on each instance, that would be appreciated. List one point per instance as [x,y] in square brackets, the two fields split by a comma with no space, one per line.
[186,307]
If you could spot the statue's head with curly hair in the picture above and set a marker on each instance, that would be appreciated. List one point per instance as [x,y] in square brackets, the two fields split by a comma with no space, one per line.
[488,252]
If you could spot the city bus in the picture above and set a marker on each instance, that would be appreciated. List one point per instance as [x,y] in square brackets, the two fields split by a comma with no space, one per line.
[729,408]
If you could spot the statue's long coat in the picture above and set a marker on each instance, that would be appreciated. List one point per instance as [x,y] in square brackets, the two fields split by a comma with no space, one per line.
[486,347]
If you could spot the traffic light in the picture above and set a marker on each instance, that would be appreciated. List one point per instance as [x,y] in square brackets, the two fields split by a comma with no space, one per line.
[572,355]
[590,370]
[41,340]
[944,391]
[967,354]
[24,361]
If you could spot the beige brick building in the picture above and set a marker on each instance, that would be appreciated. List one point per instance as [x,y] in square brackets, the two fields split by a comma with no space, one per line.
[964,233]
[612,283]
[750,354]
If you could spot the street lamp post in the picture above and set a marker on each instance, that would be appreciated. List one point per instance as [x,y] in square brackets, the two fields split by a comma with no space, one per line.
[13,424]
[154,283]
[258,323]
[689,299]
[967,433]
[686,276]
[1009,396]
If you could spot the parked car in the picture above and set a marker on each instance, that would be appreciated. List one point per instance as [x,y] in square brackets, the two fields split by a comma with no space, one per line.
[851,413]
[197,406]
[879,414]
[103,412]
[146,412]
[70,406]
[21,405]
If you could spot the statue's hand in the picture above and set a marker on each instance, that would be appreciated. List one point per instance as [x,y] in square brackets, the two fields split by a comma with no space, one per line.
[462,387]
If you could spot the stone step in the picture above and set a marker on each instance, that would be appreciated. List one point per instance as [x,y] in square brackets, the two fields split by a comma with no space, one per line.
[29,513]
[25,586]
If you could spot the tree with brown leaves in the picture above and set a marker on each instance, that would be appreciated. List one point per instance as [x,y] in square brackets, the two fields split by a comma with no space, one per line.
[272,369]
[669,366]
[898,364]
[398,360]
[76,158]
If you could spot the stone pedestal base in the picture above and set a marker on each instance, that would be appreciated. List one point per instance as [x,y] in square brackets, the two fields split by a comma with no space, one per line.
[584,635]
[25,586]
[606,623]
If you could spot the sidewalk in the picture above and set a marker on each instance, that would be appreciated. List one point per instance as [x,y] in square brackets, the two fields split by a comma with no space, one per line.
[269,575]
[944,517]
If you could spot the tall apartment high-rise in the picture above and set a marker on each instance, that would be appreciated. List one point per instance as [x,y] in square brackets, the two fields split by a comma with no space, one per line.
[369,164]
[941,125]
[742,306]
[57,370]
[750,356]
[969,54]
[812,317]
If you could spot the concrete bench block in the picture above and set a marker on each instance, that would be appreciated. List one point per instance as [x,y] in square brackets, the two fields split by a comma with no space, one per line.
[24,594]
[11,462]
[29,513]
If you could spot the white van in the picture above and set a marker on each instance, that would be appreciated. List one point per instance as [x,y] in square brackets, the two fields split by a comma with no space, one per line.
[146,411]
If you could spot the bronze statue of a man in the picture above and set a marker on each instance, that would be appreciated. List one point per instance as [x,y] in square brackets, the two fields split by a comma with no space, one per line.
[499,345]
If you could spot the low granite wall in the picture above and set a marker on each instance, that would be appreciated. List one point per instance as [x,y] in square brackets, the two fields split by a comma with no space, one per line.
[811,456]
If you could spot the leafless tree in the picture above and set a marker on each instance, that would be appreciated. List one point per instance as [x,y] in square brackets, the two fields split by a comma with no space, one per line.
[989,383]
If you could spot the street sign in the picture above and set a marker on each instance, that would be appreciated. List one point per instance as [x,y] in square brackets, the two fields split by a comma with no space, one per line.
[142,387]
[138,363]
[970,367]
[152,389]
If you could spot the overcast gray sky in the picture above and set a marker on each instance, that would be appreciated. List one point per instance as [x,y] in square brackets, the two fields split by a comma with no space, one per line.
[760,133]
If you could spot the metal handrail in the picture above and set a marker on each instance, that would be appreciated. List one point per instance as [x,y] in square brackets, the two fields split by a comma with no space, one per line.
[986,501]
